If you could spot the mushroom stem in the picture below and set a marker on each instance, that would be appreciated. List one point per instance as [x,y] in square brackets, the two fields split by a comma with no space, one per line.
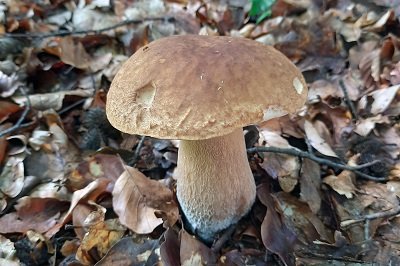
[215,185]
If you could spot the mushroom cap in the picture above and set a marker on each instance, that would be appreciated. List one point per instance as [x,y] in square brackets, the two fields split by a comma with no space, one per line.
[198,87]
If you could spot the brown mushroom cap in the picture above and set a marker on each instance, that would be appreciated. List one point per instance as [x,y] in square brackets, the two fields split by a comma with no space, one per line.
[198,87]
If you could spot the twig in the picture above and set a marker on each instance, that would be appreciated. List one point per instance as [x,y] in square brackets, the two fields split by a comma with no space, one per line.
[311,156]
[348,101]
[139,147]
[22,117]
[384,214]
[39,35]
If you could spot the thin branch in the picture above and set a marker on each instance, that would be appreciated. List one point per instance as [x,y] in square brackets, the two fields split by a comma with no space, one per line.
[139,147]
[22,117]
[311,156]
[383,214]
[348,101]
[39,35]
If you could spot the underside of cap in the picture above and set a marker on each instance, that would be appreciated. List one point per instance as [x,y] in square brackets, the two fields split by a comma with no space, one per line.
[200,87]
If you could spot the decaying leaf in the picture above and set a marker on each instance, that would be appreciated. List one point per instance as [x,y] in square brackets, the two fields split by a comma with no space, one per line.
[317,141]
[284,167]
[342,183]
[136,198]
[310,183]
[194,252]
[127,252]
[383,98]
[8,252]
[276,236]
[101,235]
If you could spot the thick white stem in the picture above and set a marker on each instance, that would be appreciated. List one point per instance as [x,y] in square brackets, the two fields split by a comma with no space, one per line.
[215,184]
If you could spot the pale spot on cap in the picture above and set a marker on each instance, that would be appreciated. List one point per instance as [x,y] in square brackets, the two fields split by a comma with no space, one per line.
[298,86]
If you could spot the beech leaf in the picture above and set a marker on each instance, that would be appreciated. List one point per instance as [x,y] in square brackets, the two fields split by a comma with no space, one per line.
[136,198]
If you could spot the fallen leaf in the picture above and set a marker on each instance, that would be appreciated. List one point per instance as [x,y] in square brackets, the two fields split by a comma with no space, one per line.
[73,53]
[342,183]
[310,182]
[101,235]
[298,216]
[383,98]
[317,141]
[52,100]
[127,252]
[136,198]
[365,126]
[275,235]
[12,176]
[283,167]
[6,109]
[194,252]
[32,214]
[8,252]
[90,192]
[169,249]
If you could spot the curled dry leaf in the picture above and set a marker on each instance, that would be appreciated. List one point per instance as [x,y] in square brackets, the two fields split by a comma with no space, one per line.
[317,141]
[12,176]
[136,198]
[194,252]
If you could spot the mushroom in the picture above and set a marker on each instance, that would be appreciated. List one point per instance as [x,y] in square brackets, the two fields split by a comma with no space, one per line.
[203,90]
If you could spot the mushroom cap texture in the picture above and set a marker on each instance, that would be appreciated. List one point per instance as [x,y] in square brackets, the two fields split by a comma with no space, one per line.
[198,87]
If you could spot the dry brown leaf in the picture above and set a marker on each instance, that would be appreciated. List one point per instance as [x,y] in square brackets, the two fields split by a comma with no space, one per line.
[365,126]
[90,192]
[283,167]
[73,53]
[94,167]
[383,98]
[299,217]
[32,214]
[310,183]
[12,176]
[194,252]
[316,140]
[128,252]
[52,100]
[6,109]
[275,234]
[136,198]
[342,183]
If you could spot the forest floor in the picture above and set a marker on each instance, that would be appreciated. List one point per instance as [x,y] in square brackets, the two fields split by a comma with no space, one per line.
[328,177]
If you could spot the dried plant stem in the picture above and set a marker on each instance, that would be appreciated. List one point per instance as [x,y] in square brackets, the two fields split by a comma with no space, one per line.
[38,35]
[22,117]
[383,214]
[313,157]
[349,103]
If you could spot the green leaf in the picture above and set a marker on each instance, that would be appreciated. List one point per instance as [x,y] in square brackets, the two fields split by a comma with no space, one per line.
[261,9]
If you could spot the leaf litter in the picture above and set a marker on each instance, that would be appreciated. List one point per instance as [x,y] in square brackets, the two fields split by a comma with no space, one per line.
[66,177]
